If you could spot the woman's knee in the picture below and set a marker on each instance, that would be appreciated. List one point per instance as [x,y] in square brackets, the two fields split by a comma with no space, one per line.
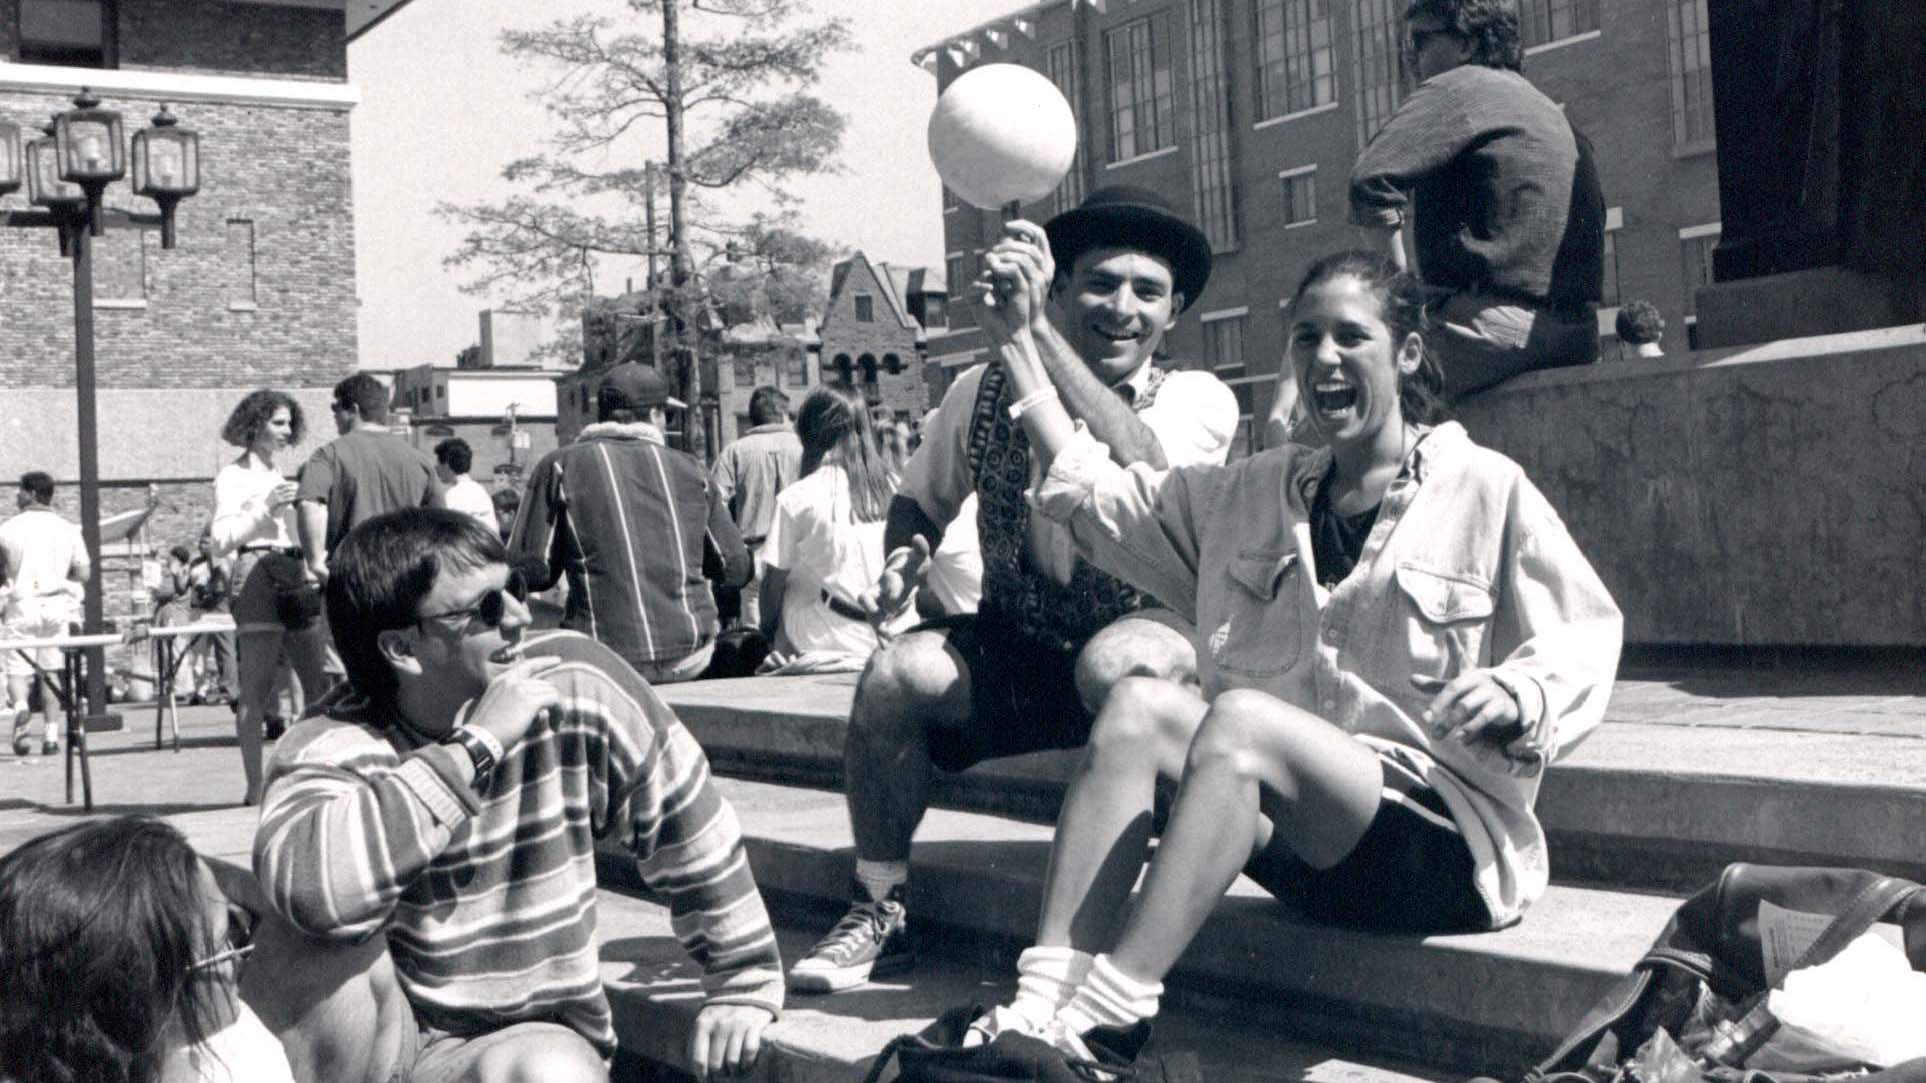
[552,1055]
[1146,718]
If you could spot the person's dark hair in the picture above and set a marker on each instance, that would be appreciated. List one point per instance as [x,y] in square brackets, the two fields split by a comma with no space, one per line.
[767,406]
[181,553]
[102,923]
[365,393]
[1638,323]
[251,415]
[39,484]
[382,570]
[508,504]
[1490,27]
[455,454]
[834,427]
[1403,301]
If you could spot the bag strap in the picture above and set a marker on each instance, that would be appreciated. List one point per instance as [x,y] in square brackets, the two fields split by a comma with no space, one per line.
[1861,913]
[888,1054]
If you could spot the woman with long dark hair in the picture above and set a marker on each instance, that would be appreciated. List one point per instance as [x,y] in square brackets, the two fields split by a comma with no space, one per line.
[274,612]
[119,963]
[1396,636]
[825,544]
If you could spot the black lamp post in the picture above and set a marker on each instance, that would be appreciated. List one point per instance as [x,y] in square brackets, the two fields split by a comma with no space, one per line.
[66,174]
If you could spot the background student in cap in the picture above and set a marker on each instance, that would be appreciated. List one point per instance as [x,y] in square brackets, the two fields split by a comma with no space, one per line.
[1051,634]
[636,529]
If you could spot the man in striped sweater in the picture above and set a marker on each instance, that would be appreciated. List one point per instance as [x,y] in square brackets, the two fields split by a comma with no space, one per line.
[429,840]
[636,529]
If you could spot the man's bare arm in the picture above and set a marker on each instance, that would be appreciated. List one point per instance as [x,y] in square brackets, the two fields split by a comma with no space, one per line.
[906,520]
[1100,408]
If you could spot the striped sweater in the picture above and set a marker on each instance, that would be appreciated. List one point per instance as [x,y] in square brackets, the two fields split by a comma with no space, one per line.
[488,900]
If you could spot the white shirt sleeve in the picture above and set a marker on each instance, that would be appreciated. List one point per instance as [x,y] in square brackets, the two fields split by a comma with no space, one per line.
[1194,417]
[937,475]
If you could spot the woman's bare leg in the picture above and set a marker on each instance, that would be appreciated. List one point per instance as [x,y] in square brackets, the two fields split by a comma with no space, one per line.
[1104,830]
[1257,765]
[259,656]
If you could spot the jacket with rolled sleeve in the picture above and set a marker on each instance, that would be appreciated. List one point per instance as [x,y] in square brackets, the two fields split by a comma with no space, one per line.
[487,899]
[1467,566]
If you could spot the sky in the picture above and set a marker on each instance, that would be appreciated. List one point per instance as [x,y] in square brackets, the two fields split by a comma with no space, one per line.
[442,110]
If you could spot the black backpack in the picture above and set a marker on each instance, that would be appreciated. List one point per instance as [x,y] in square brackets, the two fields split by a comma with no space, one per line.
[936,1055]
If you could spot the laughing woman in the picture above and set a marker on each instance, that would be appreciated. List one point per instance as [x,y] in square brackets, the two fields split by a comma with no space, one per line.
[1396,635]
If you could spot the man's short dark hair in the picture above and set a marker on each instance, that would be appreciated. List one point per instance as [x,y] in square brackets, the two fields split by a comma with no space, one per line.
[40,484]
[1489,27]
[768,406]
[455,454]
[379,575]
[366,394]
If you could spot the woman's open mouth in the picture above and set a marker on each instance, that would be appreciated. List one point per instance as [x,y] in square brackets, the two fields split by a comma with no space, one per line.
[1333,398]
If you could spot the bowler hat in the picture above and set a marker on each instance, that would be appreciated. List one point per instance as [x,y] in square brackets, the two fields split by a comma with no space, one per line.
[1125,216]
[632,386]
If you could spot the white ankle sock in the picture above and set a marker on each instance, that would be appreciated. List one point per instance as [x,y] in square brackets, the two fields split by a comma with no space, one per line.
[1046,980]
[1109,998]
[880,877]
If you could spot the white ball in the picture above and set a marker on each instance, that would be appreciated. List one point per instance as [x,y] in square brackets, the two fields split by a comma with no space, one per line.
[1002,132]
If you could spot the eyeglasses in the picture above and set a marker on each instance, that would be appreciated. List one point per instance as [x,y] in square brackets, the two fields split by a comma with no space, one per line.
[240,943]
[491,609]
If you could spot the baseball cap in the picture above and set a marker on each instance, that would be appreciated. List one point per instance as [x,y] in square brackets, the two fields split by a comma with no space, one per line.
[633,386]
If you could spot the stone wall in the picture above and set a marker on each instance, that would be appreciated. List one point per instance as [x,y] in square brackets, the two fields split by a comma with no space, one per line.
[1769,496]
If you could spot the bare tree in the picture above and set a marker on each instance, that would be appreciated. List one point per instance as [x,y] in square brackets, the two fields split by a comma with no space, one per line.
[712,96]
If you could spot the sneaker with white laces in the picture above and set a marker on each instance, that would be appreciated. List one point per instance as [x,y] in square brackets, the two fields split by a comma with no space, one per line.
[872,940]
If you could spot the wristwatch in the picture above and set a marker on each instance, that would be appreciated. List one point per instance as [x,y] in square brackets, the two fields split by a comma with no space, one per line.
[482,748]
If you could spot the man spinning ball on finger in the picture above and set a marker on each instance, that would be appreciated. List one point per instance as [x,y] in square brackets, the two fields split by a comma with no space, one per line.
[1030,668]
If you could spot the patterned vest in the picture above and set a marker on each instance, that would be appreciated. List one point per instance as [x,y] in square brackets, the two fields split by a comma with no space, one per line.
[1059,616]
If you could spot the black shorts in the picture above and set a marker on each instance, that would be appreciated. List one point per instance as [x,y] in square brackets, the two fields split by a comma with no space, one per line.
[1410,873]
[1023,696]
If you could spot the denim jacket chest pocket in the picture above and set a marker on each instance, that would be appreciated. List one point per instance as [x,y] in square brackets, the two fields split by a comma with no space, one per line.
[1449,618]
[1262,630]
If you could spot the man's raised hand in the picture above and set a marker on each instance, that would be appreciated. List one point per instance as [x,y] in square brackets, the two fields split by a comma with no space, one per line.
[514,698]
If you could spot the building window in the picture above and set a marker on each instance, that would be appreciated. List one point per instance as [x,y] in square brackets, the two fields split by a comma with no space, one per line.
[239,263]
[950,201]
[865,308]
[1295,64]
[1541,22]
[1614,221]
[1212,184]
[745,370]
[796,369]
[1064,66]
[1300,195]
[1224,353]
[72,33]
[1691,49]
[1380,45]
[956,268]
[1695,248]
[120,268]
[743,424]
[1139,77]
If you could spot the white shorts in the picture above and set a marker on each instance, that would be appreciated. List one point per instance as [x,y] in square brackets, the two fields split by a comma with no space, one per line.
[37,618]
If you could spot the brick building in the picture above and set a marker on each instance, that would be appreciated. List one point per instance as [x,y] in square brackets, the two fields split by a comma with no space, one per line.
[873,333]
[1249,114]
[260,290]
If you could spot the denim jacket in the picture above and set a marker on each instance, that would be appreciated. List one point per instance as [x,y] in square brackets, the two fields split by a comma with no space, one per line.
[1467,566]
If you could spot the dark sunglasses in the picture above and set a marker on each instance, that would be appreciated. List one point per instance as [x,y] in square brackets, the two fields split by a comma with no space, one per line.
[492,607]
[240,943]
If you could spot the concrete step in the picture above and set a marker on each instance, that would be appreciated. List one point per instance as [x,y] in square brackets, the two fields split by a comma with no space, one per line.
[1488,1003]
[1662,796]
[654,993]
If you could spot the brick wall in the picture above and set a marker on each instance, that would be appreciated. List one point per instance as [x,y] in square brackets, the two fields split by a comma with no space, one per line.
[847,340]
[282,172]
[288,42]
[1616,86]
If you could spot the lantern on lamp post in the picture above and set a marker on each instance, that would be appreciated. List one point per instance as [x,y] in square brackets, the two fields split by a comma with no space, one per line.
[167,167]
[10,154]
[92,150]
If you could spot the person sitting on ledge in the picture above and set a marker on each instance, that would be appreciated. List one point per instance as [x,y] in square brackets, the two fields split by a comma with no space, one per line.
[429,837]
[1507,214]
[1395,635]
[1029,669]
